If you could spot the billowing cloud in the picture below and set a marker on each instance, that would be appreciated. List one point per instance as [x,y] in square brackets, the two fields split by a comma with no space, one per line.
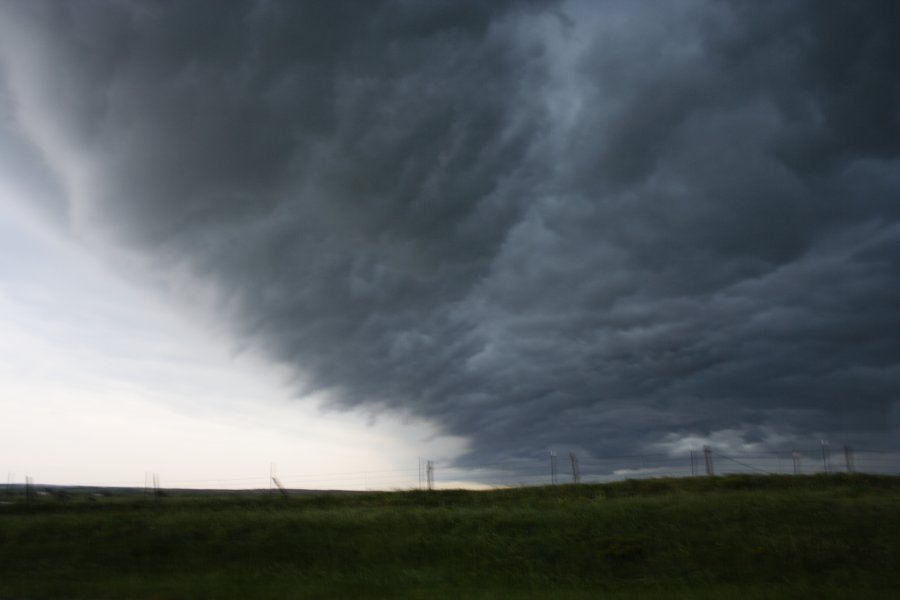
[598,224]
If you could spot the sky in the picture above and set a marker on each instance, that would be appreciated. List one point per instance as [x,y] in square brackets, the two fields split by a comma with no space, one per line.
[340,236]
[100,384]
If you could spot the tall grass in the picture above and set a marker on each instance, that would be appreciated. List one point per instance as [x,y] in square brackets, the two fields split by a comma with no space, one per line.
[736,536]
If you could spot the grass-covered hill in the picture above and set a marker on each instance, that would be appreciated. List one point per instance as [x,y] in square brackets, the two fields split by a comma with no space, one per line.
[711,537]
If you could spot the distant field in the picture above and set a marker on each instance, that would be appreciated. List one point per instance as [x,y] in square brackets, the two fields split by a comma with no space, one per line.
[719,537]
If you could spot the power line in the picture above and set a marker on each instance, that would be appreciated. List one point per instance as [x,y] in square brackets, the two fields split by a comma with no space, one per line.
[743,464]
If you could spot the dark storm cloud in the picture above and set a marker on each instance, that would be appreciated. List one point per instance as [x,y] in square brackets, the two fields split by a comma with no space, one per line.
[604,225]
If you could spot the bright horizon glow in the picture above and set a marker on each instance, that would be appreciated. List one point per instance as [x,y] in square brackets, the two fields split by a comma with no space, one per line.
[100,384]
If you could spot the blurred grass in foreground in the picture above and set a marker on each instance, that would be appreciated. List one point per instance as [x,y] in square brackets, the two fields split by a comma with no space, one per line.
[719,537]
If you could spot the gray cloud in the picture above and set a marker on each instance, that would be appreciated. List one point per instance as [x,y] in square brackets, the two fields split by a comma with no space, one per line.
[583,223]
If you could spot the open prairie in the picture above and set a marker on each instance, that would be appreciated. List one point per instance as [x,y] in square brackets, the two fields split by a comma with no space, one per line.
[711,537]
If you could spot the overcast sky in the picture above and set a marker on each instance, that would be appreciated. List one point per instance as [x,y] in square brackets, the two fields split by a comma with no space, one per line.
[498,227]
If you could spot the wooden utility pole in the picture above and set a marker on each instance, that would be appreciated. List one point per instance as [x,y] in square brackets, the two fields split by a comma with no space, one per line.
[824,444]
[848,458]
[279,486]
[553,467]
[576,473]
[708,460]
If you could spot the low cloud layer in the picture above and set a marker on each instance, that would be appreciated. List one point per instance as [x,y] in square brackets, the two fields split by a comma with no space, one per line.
[602,225]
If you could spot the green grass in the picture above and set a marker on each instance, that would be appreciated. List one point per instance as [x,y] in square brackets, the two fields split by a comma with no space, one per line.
[722,537]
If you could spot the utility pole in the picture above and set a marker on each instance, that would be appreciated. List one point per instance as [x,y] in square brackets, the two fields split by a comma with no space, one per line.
[848,458]
[693,465]
[553,467]
[824,444]
[280,487]
[708,460]
[29,489]
[795,456]
[429,468]
[576,474]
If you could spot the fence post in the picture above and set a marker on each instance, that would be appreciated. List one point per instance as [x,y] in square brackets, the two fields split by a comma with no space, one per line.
[707,458]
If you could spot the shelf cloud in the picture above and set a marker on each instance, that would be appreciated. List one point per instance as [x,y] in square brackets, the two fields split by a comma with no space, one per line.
[603,225]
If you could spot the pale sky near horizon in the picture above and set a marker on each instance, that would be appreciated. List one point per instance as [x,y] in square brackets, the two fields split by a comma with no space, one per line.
[100,383]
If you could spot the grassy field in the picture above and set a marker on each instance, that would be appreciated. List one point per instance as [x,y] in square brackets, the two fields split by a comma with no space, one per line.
[721,537]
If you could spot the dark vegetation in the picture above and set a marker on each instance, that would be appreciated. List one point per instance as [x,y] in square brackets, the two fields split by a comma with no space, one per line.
[712,537]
